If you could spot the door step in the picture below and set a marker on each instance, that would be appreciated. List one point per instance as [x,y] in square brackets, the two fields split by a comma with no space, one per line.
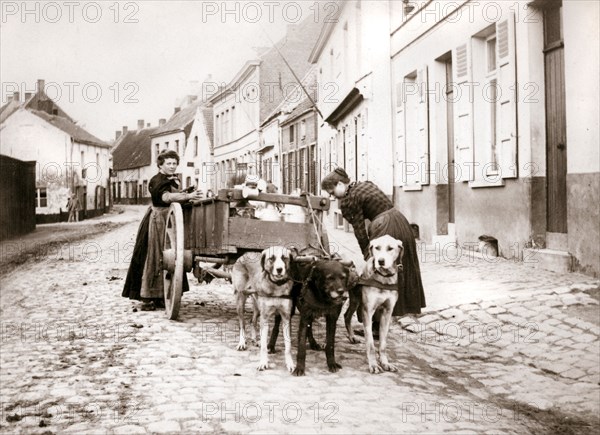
[548,259]
[557,241]
[446,239]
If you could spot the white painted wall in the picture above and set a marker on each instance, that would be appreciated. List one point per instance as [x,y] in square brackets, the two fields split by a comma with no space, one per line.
[242,141]
[270,135]
[582,51]
[419,41]
[204,171]
[360,59]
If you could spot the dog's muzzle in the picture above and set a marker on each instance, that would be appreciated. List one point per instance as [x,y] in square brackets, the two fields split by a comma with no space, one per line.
[337,295]
[384,271]
[278,279]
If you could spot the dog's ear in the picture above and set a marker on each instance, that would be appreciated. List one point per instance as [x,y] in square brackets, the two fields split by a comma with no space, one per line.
[352,278]
[312,275]
[400,253]
[371,249]
[293,250]
[263,257]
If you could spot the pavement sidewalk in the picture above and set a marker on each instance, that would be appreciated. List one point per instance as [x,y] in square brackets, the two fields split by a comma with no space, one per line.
[455,277]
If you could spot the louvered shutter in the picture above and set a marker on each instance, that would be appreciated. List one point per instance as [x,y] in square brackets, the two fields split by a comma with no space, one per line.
[400,172]
[463,112]
[507,107]
[423,125]
[363,162]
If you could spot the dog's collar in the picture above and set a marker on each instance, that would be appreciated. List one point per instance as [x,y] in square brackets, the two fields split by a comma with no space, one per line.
[263,295]
[384,275]
[374,283]
[278,282]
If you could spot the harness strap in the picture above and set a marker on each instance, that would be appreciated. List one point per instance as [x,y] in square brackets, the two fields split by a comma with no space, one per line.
[279,282]
[373,283]
[262,295]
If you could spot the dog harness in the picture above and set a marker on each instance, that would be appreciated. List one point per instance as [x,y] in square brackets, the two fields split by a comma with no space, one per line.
[371,282]
[262,295]
[277,283]
[374,283]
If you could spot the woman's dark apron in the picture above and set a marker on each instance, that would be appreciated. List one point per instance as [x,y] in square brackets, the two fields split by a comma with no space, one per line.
[145,278]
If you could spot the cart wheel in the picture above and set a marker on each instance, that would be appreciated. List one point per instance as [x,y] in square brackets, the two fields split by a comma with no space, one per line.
[173,260]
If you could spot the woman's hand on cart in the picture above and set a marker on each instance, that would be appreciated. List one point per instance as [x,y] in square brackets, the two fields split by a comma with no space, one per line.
[196,195]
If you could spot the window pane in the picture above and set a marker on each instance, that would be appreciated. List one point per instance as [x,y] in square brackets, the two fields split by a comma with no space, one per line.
[493,124]
[43,198]
[491,54]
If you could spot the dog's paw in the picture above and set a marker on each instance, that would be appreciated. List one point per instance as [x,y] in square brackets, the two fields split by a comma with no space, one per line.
[298,371]
[374,368]
[354,340]
[334,367]
[389,367]
[272,350]
[291,367]
[263,366]
[241,346]
[316,346]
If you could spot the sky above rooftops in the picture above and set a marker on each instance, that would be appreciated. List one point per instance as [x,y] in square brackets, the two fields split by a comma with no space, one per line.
[108,64]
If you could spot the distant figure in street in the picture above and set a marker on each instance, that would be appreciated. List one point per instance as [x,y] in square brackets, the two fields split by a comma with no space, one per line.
[73,208]
[359,201]
[145,278]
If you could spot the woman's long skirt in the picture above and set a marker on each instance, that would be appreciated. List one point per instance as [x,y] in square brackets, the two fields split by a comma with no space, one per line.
[393,223]
[144,277]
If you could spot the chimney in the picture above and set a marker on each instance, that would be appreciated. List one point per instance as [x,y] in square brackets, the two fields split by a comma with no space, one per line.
[16,96]
[27,95]
[117,134]
[124,130]
[41,83]
[140,124]
[177,109]
[162,121]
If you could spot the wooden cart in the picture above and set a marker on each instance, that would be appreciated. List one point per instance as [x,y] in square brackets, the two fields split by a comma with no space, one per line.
[210,231]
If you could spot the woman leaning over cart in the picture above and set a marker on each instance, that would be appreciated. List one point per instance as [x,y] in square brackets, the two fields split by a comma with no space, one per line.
[145,279]
[359,201]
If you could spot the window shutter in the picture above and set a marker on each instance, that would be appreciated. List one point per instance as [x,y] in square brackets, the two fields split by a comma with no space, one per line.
[507,90]
[463,112]
[400,173]
[423,125]
[363,162]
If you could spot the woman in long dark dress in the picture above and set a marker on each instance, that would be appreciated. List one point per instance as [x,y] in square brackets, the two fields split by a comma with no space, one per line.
[359,201]
[145,279]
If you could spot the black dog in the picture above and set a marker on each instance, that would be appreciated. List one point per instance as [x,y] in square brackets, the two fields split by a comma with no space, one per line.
[322,293]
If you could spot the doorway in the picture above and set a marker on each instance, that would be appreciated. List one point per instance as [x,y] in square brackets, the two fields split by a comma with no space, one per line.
[450,137]
[556,139]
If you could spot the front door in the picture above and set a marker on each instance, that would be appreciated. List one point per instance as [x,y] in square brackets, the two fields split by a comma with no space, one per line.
[556,138]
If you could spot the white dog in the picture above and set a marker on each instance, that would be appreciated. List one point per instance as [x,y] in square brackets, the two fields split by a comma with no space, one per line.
[377,290]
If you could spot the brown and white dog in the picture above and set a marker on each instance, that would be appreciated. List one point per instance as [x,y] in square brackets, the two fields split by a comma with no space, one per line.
[269,283]
[377,291]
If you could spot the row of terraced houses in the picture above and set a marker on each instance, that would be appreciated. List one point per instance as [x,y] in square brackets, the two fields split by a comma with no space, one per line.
[477,118]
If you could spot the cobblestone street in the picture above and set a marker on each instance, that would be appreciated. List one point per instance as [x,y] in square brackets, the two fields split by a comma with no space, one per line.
[501,348]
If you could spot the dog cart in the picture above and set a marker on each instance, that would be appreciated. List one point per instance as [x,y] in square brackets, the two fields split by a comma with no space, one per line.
[213,231]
